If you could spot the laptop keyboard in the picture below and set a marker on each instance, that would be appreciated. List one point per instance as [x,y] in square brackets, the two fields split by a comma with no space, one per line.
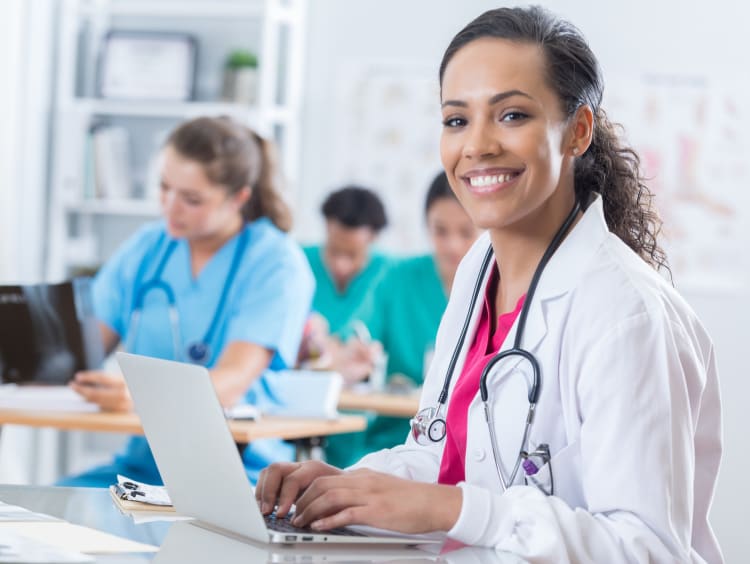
[285,526]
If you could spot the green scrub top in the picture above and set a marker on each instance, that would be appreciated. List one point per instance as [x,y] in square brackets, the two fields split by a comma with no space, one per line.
[339,307]
[404,315]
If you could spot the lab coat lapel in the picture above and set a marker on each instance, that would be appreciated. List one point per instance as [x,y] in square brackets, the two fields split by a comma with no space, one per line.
[473,321]
[559,277]
[533,333]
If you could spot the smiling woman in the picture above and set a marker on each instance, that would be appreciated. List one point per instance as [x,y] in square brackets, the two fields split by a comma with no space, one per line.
[571,412]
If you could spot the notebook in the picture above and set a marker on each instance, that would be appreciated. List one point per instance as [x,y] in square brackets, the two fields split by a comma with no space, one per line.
[199,461]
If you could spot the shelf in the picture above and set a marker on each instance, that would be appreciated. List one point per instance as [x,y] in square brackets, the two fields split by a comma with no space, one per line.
[160,109]
[176,9]
[132,207]
[85,230]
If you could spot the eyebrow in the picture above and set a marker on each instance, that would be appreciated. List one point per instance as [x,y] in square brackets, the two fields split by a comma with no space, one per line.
[492,101]
[189,192]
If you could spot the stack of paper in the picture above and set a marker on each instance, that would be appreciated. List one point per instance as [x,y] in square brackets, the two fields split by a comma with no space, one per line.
[17,548]
[43,398]
[65,536]
[26,536]
[17,514]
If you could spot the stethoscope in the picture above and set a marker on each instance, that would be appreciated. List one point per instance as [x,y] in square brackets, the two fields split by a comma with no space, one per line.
[198,352]
[429,424]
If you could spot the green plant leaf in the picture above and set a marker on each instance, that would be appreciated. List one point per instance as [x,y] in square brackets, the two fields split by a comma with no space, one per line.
[241,58]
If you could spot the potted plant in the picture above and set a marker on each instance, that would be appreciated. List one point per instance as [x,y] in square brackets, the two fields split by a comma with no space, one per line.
[241,77]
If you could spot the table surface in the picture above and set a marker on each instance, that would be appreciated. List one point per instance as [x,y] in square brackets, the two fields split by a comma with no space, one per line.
[184,543]
[396,405]
[242,431]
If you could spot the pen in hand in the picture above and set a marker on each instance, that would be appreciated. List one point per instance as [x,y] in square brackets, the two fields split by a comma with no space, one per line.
[361,332]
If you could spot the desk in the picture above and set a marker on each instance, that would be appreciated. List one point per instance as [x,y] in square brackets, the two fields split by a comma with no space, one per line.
[268,427]
[303,431]
[395,405]
[93,507]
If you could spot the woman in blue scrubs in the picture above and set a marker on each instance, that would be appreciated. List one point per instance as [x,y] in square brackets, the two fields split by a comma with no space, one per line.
[238,286]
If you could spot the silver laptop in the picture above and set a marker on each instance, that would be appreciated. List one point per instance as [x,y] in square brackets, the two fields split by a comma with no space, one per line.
[200,463]
[187,543]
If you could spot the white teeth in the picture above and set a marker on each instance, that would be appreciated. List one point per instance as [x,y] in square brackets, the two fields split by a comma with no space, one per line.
[478,181]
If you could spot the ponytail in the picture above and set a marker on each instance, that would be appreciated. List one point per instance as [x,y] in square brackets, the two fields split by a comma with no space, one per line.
[613,169]
[234,156]
[266,199]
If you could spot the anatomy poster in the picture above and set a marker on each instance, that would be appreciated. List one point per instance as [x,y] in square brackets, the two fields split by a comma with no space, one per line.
[387,138]
[693,137]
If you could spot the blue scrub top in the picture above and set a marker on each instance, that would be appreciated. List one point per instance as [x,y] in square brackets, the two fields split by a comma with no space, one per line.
[267,304]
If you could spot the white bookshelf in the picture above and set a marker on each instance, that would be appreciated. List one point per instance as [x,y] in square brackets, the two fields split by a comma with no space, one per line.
[182,110]
[84,228]
[136,207]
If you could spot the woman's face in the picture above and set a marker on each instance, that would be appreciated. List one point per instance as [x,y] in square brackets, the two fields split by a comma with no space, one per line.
[451,232]
[193,206]
[505,139]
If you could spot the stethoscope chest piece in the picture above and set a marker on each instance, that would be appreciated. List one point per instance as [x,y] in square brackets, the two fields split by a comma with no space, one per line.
[428,426]
[199,353]
[436,430]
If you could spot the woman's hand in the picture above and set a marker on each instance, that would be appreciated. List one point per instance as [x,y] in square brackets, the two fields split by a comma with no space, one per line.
[365,497]
[108,391]
[355,360]
[281,483]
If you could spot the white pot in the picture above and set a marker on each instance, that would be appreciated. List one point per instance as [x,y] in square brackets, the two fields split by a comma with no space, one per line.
[241,85]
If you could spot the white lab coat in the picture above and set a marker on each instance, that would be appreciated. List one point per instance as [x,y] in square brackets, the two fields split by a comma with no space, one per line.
[629,405]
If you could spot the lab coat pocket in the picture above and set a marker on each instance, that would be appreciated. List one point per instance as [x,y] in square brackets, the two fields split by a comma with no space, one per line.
[542,479]
[561,476]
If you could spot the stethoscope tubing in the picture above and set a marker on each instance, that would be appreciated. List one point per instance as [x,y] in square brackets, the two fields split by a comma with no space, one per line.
[516,350]
[157,283]
[443,397]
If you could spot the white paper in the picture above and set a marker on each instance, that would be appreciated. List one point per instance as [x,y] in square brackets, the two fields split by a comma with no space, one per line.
[140,517]
[144,493]
[43,398]
[15,547]
[67,536]
[17,514]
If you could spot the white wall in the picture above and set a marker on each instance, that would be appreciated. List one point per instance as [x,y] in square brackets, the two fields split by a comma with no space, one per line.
[26,70]
[10,47]
[637,37]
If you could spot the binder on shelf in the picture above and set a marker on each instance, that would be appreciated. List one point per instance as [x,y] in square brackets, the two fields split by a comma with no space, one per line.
[111,162]
[48,332]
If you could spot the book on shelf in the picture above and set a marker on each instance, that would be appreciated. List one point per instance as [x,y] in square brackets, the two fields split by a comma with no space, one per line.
[107,167]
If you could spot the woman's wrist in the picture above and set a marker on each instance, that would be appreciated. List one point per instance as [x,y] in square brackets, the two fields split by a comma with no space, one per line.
[445,507]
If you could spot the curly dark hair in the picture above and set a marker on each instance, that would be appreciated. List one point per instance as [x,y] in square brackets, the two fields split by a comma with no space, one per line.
[609,166]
